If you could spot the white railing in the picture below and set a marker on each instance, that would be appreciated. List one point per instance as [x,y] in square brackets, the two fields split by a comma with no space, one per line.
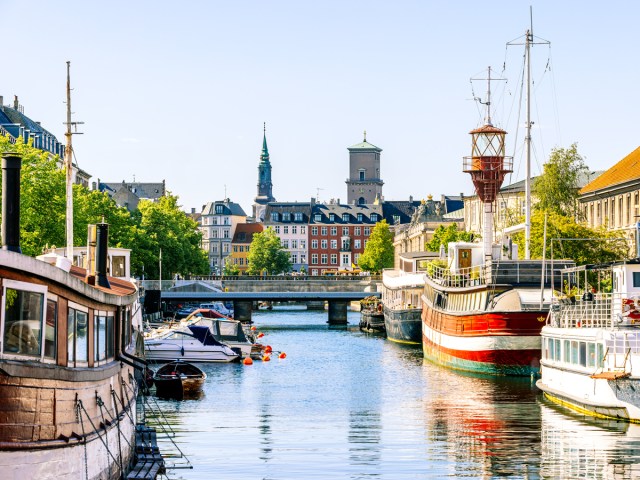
[602,310]
[464,277]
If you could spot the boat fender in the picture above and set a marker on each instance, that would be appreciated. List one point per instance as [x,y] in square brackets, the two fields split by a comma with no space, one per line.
[182,351]
[379,307]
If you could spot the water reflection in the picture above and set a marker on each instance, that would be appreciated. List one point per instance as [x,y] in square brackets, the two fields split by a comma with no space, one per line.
[576,446]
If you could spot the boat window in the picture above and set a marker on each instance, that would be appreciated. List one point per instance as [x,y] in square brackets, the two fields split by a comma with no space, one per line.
[103,334]
[548,346]
[574,352]
[23,311]
[118,266]
[228,329]
[636,279]
[557,356]
[77,345]
[177,335]
[50,329]
[600,357]
[591,355]
[583,354]
[567,351]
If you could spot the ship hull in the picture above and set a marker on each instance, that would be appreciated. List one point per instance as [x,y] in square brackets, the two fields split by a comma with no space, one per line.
[497,343]
[403,325]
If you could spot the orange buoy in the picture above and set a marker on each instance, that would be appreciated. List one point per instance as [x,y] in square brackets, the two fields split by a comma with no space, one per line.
[253,328]
[268,349]
[260,335]
[282,355]
[247,361]
[266,358]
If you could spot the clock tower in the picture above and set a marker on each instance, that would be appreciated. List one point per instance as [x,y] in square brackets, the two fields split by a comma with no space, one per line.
[364,184]
[265,186]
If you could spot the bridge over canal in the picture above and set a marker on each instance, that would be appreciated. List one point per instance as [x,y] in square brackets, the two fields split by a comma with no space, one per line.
[243,291]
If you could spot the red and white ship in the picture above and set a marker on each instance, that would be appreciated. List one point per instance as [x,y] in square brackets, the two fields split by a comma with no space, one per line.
[482,309]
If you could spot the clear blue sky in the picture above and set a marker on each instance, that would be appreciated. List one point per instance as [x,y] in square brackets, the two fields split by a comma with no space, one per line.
[180,90]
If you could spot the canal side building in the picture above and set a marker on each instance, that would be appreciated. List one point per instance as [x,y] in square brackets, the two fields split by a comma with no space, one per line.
[612,200]
[218,223]
[129,194]
[364,184]
[241,243]
[338,234]
[290,222]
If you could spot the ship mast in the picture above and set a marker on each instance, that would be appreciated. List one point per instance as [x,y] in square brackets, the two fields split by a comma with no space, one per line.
[68,164]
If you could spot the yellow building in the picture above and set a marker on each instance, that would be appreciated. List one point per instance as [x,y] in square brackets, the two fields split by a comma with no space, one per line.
[241,242]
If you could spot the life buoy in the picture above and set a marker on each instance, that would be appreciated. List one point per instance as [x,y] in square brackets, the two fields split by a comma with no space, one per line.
[630,309]
[379,307]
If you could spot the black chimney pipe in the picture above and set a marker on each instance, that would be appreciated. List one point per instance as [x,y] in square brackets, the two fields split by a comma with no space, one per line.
[102,238]
[11,165]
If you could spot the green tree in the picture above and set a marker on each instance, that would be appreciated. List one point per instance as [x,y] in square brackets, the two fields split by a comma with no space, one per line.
[378,254]
[557,187]
[267,254]
[602,246]
[444,235]
[230,268]
[163,225]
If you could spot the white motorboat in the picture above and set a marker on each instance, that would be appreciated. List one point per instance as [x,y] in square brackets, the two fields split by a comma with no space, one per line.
[227,331]
[193,343]
[591,344]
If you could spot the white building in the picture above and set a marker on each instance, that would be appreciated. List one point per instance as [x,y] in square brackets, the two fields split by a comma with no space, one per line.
[218,225]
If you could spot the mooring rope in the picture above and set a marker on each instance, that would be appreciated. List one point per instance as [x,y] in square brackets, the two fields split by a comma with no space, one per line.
[106,445]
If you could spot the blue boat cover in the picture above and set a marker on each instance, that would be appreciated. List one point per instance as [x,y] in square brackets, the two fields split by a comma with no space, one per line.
[203,334]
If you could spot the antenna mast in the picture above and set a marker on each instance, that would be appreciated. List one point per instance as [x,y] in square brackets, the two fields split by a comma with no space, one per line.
[68,163]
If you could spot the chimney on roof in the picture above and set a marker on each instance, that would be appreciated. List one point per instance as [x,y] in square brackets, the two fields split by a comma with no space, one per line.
[411,198]
[16,105]
[193,210]
[1,100]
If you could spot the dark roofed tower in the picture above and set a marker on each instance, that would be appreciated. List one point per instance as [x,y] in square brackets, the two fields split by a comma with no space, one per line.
[364,184]
[265,186]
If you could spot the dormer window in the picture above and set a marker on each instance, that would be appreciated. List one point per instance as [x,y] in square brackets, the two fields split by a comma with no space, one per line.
[374,217]
[219,208]
[345,217]
[286,217]
[317,217]
[332,217]
[275,217]
[298,216]
[359,217]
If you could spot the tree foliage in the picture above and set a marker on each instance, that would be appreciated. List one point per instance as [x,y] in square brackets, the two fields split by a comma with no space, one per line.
[266,254]
[557,187]
[579,243]
[145,231]
[230,268]
[444,235]
[378,253]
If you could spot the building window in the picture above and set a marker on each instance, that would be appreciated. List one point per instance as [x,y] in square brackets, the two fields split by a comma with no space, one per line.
[303,230]
[334,259]
[345,217]
[359,217]
[345,230]
[277,229]
[334,244]
[345,259]
[314,244]
[303,244]
[294,258]
[226,221]
[294,243]
[323,244]
[314,258]
[314,272]
[334,231]
[219,208]
[314,231]
[374,217]
[356,243]
[323,259]
[318,217]
[286,217]
[285,243]
[303,258]
[323,231]
[286,229]
[356,258]
[294,229]
[361,174]
[214,221]
[332,217]
[367,231]
[356,231]
[297,216]
[226,233]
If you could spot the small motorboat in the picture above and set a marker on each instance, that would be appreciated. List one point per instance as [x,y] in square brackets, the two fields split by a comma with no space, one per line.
[179,380]
[195,343]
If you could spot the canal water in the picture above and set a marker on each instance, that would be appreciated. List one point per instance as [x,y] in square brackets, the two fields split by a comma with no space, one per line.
[350,405]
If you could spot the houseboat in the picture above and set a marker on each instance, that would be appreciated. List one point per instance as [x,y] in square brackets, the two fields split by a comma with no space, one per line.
[68,392]
[591,343]
[402,299]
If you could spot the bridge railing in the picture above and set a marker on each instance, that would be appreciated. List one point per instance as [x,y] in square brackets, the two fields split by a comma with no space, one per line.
[286,278]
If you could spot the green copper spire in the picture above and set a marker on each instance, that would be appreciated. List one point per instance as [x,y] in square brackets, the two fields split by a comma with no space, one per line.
[264,156]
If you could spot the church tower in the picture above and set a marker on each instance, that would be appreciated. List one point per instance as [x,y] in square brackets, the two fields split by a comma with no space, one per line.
[265,186]
[364,184]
